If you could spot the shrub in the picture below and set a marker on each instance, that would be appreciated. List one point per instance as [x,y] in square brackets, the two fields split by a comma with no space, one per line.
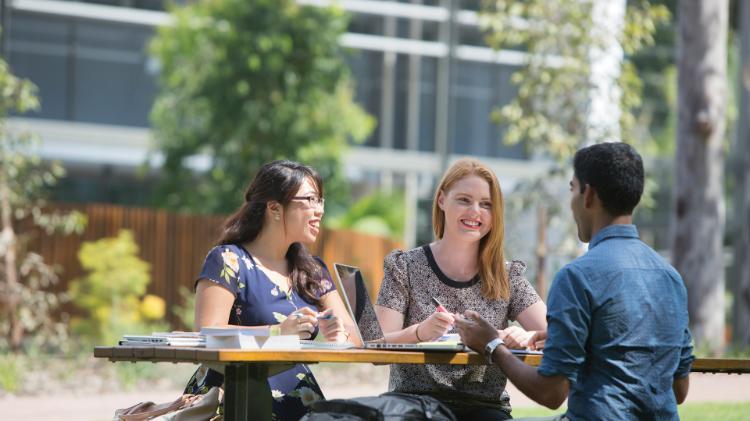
[186,312]
[113,291]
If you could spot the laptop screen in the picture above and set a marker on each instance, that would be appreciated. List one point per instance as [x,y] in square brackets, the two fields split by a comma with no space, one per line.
[353,292]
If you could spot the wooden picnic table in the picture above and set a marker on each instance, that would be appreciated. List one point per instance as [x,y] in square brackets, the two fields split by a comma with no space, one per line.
[246,392]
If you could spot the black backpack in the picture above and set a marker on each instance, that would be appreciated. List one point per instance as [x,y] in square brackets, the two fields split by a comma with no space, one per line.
[391,406]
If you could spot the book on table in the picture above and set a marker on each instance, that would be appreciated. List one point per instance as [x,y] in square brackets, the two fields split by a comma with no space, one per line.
[248,337]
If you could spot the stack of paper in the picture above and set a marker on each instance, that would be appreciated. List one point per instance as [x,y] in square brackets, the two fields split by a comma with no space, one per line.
[248,337]
[448,340]
[186,339]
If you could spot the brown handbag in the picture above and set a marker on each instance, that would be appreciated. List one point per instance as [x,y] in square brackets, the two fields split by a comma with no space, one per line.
[184,408]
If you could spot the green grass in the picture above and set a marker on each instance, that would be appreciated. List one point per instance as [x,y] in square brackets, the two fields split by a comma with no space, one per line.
[11,373]
[688,412]
[715,411]
[535,412]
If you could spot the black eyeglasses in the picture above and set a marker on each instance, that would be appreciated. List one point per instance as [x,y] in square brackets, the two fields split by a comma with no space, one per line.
[312,201]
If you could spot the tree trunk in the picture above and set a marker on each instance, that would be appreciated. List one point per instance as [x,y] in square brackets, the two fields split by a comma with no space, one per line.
[741,334]
[699,207]
[11,288]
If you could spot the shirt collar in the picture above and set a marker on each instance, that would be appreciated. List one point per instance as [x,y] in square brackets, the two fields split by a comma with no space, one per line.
[611,231]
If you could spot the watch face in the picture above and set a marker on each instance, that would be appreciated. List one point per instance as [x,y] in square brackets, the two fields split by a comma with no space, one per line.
[489,349]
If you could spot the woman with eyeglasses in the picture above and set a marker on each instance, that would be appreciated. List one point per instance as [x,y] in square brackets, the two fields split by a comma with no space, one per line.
[261,274]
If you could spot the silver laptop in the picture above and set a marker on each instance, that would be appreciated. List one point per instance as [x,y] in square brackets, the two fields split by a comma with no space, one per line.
[351,287]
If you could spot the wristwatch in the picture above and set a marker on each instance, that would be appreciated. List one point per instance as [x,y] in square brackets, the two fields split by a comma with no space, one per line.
[489,349]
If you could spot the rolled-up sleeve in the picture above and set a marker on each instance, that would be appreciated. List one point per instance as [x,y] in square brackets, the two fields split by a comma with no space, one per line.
[568,325]
[686,355]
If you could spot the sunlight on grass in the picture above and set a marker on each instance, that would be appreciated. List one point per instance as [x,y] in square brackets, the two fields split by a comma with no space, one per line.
[689,412]
[715,411]
[536,412]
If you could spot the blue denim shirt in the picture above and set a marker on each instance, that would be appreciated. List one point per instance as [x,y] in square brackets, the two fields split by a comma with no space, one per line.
[618,330]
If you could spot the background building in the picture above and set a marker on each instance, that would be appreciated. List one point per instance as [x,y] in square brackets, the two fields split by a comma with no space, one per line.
[420,67]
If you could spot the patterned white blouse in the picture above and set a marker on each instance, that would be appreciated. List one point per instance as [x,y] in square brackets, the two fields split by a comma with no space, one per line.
[411,279]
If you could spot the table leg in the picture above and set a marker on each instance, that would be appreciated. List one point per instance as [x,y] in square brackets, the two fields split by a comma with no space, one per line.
[246,392]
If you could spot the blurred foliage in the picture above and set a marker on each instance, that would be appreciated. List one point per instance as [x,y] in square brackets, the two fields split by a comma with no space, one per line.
[152,308]
[246,82]
[655,64]
[667,133]
[185,312]
[379,213]
[11,372]
[25,278]
[48,374]
[113,292]
[550,112]
[737,351]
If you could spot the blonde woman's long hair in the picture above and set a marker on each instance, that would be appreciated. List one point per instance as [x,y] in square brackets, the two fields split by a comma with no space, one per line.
[494,277]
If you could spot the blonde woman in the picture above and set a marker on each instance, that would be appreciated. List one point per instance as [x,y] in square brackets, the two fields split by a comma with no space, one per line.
[464,269]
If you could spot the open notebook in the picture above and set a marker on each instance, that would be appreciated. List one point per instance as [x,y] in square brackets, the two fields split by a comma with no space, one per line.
[351,287]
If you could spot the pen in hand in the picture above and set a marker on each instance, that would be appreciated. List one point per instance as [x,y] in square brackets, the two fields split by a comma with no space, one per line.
[324,315]
[439,306]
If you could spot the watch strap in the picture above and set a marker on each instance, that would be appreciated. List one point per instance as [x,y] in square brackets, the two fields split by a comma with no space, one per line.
[489,349]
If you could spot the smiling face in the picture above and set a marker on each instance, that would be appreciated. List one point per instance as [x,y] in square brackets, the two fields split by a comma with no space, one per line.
[301,216]
[468,208]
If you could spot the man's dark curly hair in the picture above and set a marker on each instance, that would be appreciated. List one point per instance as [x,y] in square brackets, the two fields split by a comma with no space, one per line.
[615,171]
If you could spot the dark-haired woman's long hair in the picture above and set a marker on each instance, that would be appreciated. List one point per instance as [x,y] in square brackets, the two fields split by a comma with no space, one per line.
[277,181]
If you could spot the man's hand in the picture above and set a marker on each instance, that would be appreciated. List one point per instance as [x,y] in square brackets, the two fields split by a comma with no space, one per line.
[549,391]
[475,331]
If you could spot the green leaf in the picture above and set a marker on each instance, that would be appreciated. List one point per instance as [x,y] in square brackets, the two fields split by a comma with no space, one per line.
[245,82]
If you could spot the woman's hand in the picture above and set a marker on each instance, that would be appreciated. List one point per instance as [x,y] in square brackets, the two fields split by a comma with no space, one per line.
[514,337]
[536,342]
[332,327]
[435,326]
[300,322]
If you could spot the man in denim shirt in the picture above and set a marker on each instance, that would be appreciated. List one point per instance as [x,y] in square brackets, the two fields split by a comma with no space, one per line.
[617,342]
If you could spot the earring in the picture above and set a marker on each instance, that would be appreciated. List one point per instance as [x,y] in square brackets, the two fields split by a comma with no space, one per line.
[277,217]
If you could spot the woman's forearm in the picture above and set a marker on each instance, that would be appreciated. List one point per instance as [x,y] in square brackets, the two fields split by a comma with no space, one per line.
[407,335]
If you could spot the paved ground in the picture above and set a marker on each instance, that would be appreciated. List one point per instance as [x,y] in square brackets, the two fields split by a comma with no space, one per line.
[703,388]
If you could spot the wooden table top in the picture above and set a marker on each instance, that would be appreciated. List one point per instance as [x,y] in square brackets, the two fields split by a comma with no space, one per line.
[175,354]
[201,355]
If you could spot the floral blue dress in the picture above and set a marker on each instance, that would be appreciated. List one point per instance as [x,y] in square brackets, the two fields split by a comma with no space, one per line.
[259,301]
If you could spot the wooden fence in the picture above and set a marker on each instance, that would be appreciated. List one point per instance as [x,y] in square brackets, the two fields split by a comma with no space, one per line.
[175,246]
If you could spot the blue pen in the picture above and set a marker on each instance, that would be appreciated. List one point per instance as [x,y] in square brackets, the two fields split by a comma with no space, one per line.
[326,317]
